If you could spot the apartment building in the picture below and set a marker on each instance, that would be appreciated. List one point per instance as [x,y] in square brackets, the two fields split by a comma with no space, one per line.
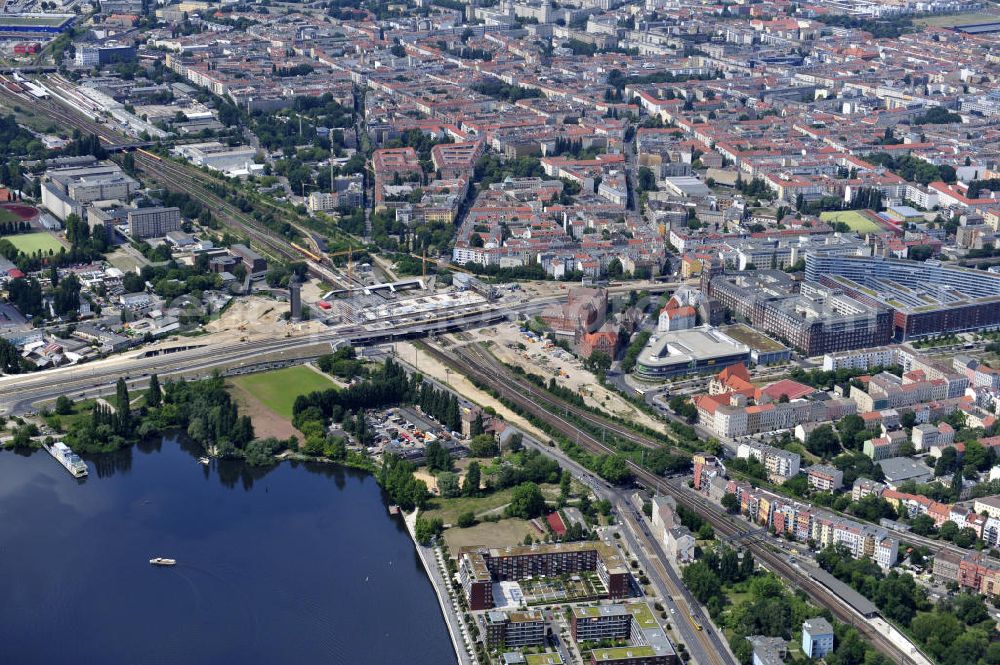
[601,622]
[153,222]
[780,464]
[477,581]
[514,629]
[817,637]
[824,477]
[926,436]
[479,567]
[803,522]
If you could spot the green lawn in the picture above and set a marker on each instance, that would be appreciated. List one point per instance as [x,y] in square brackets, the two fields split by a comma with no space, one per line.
[490,534]
[855,220]
[958,19]
[449,509]
[29,243]
[278,389]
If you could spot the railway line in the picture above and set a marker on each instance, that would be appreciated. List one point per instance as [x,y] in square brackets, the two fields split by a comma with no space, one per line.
[181,179]
[477,356]
[533,404]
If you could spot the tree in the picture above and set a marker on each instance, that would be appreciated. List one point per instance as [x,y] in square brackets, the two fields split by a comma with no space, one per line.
[922,525]
[702,581]
[123,425]
[823,441]
[526,502]
[599,363]
[427,529]
[483,445]
[852,431]
[64,405]
[731,503]
[565,484]
[615,469]
[466,519]
[437,457]
[516,442]
[154,395]
[448,486]
[948,530]
[472,478]
[947,463]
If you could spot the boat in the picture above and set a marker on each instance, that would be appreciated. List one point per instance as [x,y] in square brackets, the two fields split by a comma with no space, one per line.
[65,456]
[204,460]
[160,561]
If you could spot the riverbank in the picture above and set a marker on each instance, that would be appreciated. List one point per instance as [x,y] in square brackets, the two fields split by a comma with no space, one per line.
[433,564]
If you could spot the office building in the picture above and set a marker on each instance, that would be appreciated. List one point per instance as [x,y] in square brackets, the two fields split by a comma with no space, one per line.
[153,222]
[811,317]
[96,56]
[928,298]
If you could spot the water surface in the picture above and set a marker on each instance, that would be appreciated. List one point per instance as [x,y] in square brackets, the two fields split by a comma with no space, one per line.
[296,564]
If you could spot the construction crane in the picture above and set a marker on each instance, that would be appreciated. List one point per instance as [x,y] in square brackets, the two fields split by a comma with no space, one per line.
[350,260]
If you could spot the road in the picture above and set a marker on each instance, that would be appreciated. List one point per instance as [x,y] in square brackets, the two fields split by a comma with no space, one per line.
[503,382]
[19,392]
[704,646]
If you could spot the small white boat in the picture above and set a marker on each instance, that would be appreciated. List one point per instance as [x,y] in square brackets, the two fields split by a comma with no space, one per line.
[204,460]
[160,561]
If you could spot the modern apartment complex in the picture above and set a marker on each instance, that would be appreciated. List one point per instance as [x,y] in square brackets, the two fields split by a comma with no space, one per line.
[479,567]
[514,629]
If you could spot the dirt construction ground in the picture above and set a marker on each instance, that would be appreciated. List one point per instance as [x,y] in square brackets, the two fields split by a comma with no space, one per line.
[547,360]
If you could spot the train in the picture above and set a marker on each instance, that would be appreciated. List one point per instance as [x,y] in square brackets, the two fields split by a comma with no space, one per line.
[149,154]
[694,621]
[308,253]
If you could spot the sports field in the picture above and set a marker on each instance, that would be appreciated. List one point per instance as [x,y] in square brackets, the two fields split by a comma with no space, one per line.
[855,220]
[951,20]
[278,389]
[29,243]
[8,216]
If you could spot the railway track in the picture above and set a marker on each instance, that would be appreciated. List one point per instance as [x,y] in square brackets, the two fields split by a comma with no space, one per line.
[478,356]
[532,403]
[181,179]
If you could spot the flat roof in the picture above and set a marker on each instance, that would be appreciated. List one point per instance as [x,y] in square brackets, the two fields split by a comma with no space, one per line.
[685,346]
[864,606]
[753,338]
[621,653]
[543,659]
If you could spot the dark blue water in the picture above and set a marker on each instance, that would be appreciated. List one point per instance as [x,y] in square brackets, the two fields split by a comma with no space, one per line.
[297,564]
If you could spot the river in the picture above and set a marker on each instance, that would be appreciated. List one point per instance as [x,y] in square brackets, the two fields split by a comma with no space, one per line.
[293,564]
